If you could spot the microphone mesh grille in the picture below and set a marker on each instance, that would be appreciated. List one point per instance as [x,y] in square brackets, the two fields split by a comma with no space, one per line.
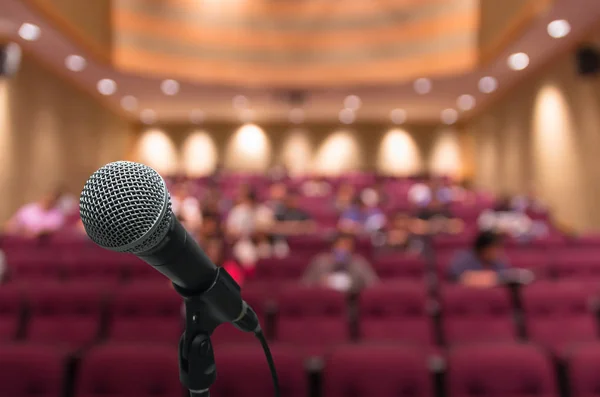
[121,203]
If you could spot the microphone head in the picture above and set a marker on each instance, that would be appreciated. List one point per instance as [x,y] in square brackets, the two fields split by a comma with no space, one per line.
[125,207]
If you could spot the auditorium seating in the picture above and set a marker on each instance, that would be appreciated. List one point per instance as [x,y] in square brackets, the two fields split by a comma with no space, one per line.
[146,312]
[32,370]
[558,314]
[11,309]
[64,315]
[243,371]
[396,312]
[401,267]
[507,370]
[583,362]
[129,370]
[476,315]
[382,371]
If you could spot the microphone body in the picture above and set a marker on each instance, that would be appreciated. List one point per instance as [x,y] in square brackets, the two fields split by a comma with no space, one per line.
[125,207]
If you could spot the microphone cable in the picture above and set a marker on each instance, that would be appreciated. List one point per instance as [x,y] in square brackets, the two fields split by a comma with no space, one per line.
[263,342]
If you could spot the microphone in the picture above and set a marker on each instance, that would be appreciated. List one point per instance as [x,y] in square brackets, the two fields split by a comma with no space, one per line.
[126,207]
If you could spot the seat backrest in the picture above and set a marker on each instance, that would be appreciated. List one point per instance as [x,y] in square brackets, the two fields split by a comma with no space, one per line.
[129,370]
[68,313]
[237,378]
[278,270]
[557,313]
[311,315]
[579,265]
[11,310]
[476,314]
[31,371]
[405,267]
[146,312]
[395,312]
[382,371]
[507,370]
[583,364]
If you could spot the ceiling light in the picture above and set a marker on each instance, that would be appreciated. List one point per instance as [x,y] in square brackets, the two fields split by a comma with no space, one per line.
[398,116]
[466,102]
[75,63]
[129,103]
[347,116]
[29,32]
[449,116]
[107,86]
[148,116]
[352,102]
[196,116]
[559,28]
[422,86]
[247,115]
[488,84]
[240,102]
[518,61]
[297,115]
[169,87]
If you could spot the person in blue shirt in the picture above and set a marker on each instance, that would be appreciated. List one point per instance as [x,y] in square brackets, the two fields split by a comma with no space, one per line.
[482,266]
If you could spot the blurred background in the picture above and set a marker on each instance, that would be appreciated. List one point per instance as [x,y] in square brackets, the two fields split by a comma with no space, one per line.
[407,192]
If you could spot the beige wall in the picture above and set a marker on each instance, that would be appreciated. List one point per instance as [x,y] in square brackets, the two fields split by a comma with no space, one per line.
[546,136]
[328,149]
[51,132]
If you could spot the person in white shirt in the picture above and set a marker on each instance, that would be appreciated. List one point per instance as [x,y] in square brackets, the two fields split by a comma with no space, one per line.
[186,207]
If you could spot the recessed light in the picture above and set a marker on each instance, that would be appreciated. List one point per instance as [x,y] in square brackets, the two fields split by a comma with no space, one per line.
[107,86]
[422,86]
[169,87]
[488,84]
[352,102]
[196,116]
[518,61]
[449,116]
[347,116]
[465,102]
[559,28]
[29,32]
[297,115]
[75,63]
[398,116]
[148,116]
[240,102]
[129,103]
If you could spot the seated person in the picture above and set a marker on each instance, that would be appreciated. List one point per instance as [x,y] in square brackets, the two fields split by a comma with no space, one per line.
[436,218]
[42,217]
[277,173]
[482,266]
[186,207]
[508,219]
[344,197]
[399,235]
[374,194]
[291,219]
[340,269]
[210,227]
[362,218]
[277,195]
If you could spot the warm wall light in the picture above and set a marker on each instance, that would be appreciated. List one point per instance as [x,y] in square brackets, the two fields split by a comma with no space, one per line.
[107,86]
[445,156]
[29,32]
[249,149]
[169,87]
[199,155]
[296,152]
[518,61]
[422,86]
[157,150]
[398,154]
[339,152]
[75,63]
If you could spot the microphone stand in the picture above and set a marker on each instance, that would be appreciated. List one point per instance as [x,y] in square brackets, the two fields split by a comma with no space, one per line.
[205,311]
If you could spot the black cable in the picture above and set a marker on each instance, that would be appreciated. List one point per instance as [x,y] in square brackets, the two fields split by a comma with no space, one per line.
[265,346]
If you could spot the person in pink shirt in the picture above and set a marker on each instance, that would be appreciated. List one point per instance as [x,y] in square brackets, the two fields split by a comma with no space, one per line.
[44,216]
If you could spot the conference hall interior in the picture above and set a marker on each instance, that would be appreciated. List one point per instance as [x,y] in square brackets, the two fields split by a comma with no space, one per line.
[407,193]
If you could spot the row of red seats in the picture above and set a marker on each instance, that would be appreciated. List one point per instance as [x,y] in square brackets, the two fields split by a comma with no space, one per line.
[507,370]
[555,315]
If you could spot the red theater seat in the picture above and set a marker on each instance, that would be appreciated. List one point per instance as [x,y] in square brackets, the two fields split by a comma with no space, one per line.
[11,310]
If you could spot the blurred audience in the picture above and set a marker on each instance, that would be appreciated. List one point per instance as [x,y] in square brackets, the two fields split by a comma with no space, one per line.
[399,235]
[436,218]
[362,217]
[291,219]
[186,207]
[482,266]
[341,269]
[316,187]
[214,247]
[41,217]
[345,197]
[511,220]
